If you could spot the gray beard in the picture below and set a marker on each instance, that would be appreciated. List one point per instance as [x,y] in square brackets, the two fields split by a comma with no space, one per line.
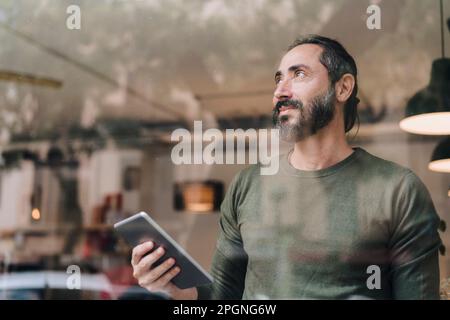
[310,119]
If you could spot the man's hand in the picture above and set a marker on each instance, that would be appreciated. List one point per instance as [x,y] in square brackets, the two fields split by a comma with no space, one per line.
[157,279]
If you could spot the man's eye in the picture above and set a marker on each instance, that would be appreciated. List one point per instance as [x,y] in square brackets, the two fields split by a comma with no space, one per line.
[300,73]
[277,80]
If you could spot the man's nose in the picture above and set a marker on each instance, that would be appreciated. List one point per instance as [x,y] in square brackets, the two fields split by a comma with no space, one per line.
[283,90]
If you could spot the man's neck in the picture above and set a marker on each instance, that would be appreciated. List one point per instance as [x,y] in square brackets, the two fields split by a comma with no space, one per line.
[320,151]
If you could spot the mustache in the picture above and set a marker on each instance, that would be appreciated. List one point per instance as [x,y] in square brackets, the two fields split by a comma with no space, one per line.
[284,103]
[297,104]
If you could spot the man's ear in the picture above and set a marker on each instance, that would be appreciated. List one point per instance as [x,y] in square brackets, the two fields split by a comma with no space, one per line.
[344,87]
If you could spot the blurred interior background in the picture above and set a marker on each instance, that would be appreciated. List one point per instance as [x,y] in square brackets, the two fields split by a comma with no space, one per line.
[86,117]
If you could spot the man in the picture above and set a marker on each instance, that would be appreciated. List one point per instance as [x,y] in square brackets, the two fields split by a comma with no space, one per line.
[335,222]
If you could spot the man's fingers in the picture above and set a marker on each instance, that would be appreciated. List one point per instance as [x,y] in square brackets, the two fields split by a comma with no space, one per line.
[145,263]
[165,279]
[160,270]
[139,251]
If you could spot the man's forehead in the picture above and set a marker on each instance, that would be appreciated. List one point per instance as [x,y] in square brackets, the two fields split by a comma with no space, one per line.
[307,54]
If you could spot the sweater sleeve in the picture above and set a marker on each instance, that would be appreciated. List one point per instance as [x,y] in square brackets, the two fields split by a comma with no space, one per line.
[414,243]
[229,262]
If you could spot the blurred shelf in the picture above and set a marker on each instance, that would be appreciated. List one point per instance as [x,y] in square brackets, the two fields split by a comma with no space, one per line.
[98,227]
[44,230]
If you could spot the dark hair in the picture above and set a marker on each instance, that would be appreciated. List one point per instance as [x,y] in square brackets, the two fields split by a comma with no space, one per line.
[338,62]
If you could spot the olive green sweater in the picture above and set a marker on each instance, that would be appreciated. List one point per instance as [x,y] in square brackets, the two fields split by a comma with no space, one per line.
[362,228]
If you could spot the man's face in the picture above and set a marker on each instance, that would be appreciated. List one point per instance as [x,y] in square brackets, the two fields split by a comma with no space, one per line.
[303,99]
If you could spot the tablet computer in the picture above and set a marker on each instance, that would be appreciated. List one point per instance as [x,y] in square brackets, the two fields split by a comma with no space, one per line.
[140,228]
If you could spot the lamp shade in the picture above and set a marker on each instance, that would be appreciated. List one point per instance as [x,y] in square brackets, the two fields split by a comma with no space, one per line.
[428,111]
[440,160]
[198,196]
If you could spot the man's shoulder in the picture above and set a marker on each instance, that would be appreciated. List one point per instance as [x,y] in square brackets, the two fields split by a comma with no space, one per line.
[248,174]
[255,172]
[383,168]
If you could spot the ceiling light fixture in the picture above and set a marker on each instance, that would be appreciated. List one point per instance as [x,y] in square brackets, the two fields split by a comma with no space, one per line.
[428,111]
[440,160]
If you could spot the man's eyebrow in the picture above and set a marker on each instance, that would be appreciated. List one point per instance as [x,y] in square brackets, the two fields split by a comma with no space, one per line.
[298,66]
[293,68]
